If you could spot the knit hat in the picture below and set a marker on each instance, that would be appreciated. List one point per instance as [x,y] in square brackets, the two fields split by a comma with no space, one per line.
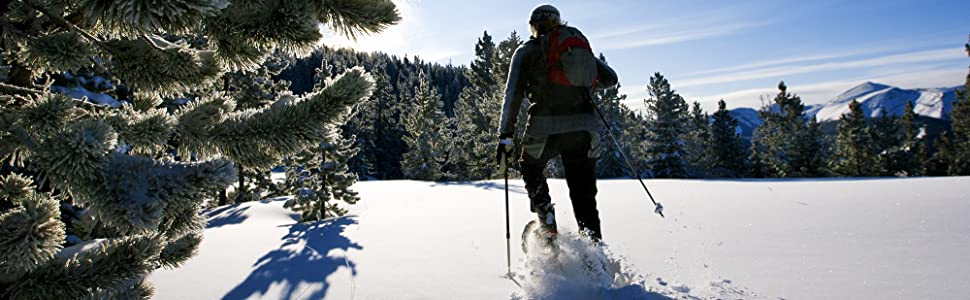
[542,12]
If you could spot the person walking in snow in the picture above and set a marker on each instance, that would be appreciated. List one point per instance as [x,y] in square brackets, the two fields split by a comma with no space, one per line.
[557,71]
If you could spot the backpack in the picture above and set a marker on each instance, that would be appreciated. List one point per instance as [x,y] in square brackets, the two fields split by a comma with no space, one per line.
[569,58]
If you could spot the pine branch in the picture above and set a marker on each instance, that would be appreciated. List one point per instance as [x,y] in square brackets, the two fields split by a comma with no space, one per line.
[64,23]
[25,91]
[18,90]
[24,138]
[104,265]
[353,18]
[151,43]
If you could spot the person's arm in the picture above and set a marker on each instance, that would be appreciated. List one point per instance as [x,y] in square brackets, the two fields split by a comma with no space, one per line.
[514,93]
[606,76]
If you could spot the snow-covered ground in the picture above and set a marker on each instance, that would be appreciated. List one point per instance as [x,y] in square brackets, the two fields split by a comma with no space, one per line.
[774,239]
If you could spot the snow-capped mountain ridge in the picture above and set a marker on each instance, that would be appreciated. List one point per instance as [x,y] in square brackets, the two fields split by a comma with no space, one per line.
[876,99]
[879,98]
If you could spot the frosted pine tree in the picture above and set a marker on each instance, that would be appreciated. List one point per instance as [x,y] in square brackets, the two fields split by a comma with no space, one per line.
[427,135]
[478,108]
[133,208]
[855,153]
[321,179]
[320,176]
[254,90]
[724,145]
[373,124]
[666,126]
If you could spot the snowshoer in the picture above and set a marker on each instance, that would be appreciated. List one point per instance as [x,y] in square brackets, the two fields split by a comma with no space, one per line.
[557,71]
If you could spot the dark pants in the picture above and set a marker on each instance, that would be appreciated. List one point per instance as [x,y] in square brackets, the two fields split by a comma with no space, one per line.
[580,169]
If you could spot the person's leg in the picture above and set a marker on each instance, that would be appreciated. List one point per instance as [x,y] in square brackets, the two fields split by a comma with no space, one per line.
[580,171]
[535,181]
[535,158]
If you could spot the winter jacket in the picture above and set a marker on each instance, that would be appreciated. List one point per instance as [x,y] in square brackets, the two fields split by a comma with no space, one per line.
[554,109]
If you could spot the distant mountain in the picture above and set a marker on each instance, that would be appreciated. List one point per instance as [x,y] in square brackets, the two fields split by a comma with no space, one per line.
[932,104]
[748,119]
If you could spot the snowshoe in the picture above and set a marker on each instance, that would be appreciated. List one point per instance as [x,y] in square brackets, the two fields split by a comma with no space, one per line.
[535,233]
[542,229]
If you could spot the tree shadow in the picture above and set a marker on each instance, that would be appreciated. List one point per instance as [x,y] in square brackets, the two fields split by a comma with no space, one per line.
[226,215]
[485,185]
[236,214]
[301,259]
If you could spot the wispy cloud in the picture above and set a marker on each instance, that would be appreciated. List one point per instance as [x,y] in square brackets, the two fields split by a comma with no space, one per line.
[626,31]
[695,26]
[664,37]
[780,72]
[784,61]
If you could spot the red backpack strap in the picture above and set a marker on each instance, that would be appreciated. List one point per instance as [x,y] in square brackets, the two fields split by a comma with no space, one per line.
[554,59]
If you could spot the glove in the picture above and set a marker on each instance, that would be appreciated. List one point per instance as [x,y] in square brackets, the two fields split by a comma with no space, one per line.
[503,151]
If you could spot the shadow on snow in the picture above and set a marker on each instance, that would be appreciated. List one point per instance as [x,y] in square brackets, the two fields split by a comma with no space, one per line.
[235,214]
[635,292]
[302,260]
[226,215]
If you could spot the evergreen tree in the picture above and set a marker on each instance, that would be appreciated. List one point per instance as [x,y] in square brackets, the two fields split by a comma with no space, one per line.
[952,156]
[479,104]
[905,158]
[940,161]
[478,109]
[812,159]
[666,126]
[856,154]
[724,144]
[784,145]
[378,121]
[482,67]
[427,136]
[626,126]
[885,131]
[895,141]
[502,59]
[960,116]
[133,209]
[698,134]
[378,131]
[321,179]
[254,90]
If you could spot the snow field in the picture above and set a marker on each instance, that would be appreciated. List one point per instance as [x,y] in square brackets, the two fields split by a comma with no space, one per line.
[766,239]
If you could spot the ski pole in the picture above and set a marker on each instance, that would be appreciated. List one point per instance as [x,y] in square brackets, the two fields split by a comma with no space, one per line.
[658,209]
[508,235]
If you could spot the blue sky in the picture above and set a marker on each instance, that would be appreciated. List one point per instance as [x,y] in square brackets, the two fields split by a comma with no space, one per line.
[736,50]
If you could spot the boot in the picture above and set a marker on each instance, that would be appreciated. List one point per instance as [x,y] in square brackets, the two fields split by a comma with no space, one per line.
[547,218]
